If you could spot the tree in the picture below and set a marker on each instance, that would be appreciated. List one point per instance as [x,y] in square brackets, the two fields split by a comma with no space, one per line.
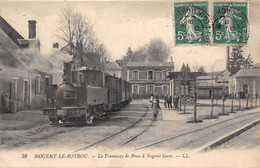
[236,60]
[123,62]
[155,51]
[76,31]
[248,63]
[201,69]
[158,50]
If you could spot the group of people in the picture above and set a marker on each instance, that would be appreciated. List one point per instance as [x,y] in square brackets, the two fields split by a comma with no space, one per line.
[168,100]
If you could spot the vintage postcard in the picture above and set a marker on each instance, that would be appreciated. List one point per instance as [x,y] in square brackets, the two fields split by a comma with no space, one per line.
[130,83]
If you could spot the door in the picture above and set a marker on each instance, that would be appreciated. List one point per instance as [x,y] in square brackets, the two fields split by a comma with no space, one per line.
[26,94]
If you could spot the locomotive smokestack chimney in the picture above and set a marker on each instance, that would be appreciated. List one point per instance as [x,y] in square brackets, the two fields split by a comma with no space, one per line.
[228,59]
[32,29]
[67,71]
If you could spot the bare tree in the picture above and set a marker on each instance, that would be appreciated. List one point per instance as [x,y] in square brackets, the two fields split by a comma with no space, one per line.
[66,28]
[76,31]
[158,50]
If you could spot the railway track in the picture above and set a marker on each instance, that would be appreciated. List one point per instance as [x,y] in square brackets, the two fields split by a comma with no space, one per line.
[189,133]
[120,132]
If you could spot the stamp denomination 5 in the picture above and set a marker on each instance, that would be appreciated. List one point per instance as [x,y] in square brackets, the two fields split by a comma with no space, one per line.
[191,23]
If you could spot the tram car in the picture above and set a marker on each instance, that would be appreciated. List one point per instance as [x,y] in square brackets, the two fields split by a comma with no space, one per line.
[85,95]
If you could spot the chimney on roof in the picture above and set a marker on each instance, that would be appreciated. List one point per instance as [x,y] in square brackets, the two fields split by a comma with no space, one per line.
[55,45]
[171,59]
[32,29]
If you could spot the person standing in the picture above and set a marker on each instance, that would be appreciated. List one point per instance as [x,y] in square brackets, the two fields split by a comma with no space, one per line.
[176,102]
[155,106]
[169,101]
[165,100]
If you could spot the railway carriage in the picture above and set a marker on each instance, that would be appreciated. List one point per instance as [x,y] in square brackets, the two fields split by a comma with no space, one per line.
[85,95]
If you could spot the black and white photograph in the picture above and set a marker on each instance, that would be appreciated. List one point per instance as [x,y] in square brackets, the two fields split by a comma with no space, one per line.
[130,83]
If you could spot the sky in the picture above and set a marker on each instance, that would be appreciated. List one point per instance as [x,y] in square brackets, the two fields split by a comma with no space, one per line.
[119,25]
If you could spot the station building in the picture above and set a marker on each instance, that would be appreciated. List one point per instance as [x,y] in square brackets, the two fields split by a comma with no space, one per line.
[23,76]
[212,83]
[113,69]
[147,78]
[246,81]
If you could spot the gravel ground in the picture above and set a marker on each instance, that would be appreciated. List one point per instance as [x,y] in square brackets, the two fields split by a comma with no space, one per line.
[30,129]
[27,127]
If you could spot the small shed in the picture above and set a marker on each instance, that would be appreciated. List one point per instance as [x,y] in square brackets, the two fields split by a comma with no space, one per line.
[183,85]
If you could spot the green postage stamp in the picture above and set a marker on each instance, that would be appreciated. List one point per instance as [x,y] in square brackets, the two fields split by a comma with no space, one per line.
[230,24]
[191,23]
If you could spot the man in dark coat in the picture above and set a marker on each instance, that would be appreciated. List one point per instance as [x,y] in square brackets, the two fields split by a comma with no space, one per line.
[155,107]
[169,101]
[176,102]
[165,101]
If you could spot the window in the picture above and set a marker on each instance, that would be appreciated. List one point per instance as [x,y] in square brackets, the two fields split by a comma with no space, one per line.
[150,89]
[135,75]
[245,88]
[164,74]
[135,89]
[25,93]
[47,81]
[81,78]
[38,84]
[150,75]
[165,89]
[15,88]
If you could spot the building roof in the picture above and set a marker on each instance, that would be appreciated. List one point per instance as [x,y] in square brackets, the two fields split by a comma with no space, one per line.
[257,65]
[247,72]
[112,66]
[9,53]
[208,83]
[10,31]
[206,77]
[150,64]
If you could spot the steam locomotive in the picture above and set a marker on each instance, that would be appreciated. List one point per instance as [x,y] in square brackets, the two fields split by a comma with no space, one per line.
[85,95]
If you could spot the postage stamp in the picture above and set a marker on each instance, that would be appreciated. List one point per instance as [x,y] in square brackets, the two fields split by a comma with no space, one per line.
[230,24]
[191,23]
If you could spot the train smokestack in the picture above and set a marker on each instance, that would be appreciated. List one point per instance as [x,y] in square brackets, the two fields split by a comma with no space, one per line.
[32,29]
[67,76]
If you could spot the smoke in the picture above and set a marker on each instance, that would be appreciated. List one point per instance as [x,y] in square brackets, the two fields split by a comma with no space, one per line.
[45,63]
[57,58]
